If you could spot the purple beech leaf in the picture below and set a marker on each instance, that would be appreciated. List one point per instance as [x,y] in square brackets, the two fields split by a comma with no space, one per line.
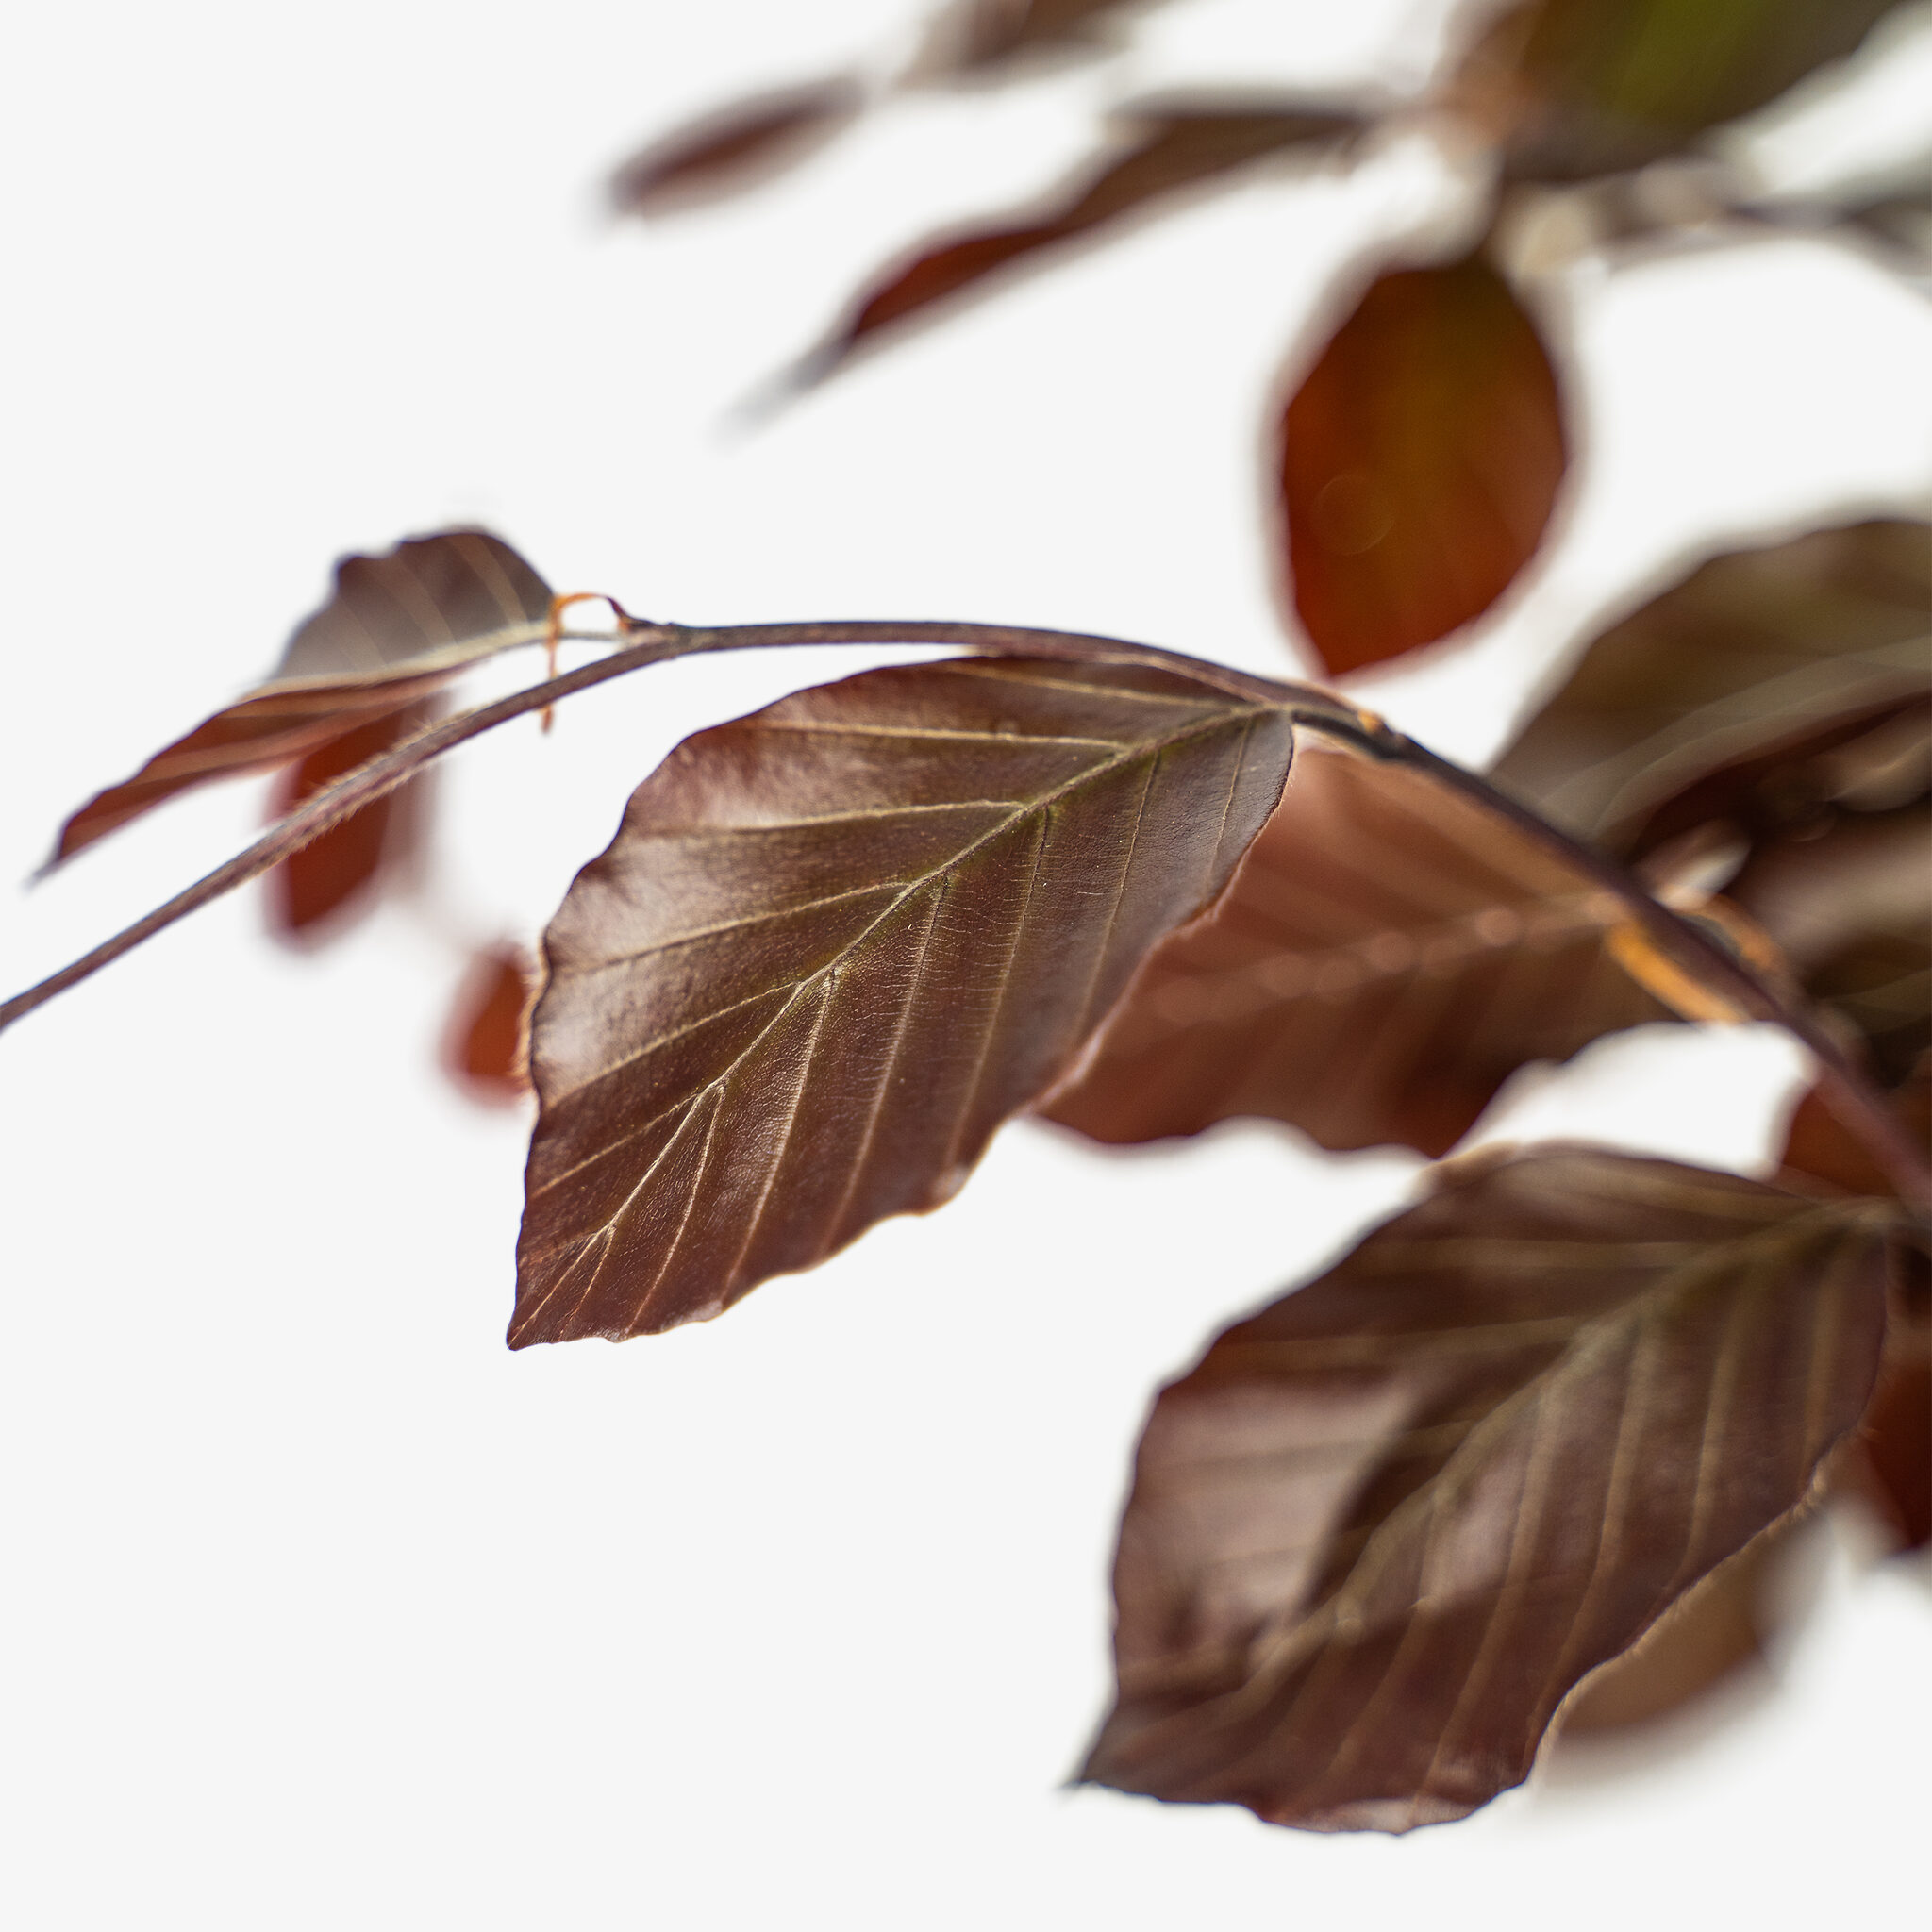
[736,147]
[1169,146]
[1388,954]
[1386,1526]
[396,629]
[835,944]
[1419,461]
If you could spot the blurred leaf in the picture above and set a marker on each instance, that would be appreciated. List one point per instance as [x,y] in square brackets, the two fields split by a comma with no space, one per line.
[1387,956]
[1593,87]
[1770,711]
[1849,904]
[1382,1529]
[1757,661]
[1714,1630]
[1887,1463]
[835,944]
[1420,462]
[735,148]
[1819,1148]
[486,1047]
[397,628]
[970,35]
[1173,148]
[327,876]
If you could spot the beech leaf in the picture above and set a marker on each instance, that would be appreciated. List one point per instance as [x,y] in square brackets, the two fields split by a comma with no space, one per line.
[1593,87]
[1772,707]
[736,147]
[396,629]
[1172,148]
[333,871]
[835,944]
[1382,1530]
[970,35]
[1388,954]
[1419,461]
[487,1046]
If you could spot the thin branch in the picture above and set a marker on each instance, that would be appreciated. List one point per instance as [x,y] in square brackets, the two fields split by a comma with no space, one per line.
[1844,1089]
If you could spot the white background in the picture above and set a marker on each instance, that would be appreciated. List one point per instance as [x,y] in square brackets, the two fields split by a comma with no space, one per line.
[320,1608]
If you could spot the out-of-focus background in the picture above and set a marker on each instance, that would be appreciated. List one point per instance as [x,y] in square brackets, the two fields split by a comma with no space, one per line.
[320,1607]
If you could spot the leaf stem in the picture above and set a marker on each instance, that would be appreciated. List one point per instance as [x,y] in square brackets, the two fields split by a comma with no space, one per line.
[1845,1090]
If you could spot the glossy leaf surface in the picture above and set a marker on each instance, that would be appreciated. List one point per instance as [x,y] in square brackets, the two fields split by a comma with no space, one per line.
[397,628]
[835,944]
[1419,464]
[1382,1530]
[1170,150]
[735,148]
[1597,85]
[1388,954]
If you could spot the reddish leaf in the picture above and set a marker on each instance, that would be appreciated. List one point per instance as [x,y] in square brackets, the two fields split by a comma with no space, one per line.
[1713,1631]
[397,628]
[1817,1147]
[1888,1464]
[1420,462]
[1388,954]
[1591,87]
[1771,709]
[737,147]
[1386,1525]
[487,1048]
[326,876]
[1173,148]
[835,944]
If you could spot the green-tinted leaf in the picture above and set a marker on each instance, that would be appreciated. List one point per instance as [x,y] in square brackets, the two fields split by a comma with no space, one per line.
[1419,461]
[835,944]
[397,628]
[1382,1530]
[1593,86]
[1387,955]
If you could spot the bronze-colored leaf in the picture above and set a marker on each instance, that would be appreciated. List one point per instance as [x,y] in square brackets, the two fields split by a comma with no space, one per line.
[1386,1525]
[1419,461]
[1819,1147]
[835,944]
[1755,660]
[486,1047]
[1714,1630]
[735,148]
[1772,707]
[397,628]
[328,875]
[1171,148]
[1591,87]
[1387,955]
[1887,1463]
[972,35]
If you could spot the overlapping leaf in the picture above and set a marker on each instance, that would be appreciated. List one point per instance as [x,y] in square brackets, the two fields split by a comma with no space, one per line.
[1589,87]
[397,628]
[330,876]
[1772,708]
[1388,954]
[835,944]
[736,147]
[1419,461]
[1383,1530]
[1169,149]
